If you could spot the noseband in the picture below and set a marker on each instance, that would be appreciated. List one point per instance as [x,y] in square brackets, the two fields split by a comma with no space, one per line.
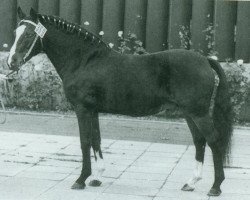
[35,39]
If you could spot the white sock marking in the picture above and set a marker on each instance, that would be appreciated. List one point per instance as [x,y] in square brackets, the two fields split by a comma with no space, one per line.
[19,31]
[197,175]
[100,165]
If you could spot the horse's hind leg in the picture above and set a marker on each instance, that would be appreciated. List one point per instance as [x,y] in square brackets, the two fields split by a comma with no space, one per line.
[206,126]
[200,144]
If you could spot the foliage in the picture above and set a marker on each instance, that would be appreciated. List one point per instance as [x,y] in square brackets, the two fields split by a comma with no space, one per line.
[36,90]
[184,35]
[238,87]
[130,44]
[186,42]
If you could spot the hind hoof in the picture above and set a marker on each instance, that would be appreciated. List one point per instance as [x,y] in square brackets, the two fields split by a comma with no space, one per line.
[187,188]
[78,186]
[95,183]
[214,192]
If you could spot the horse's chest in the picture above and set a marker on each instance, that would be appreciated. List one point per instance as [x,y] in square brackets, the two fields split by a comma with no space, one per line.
[83,93]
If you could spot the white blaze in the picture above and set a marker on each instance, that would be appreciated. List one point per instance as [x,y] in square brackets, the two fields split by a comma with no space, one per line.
[19,31]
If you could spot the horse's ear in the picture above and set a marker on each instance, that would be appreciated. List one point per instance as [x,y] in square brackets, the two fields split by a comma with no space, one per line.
[33,14]
[20,13]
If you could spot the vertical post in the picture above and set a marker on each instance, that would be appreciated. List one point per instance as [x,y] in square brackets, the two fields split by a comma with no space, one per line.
[202,19]
[242,50]
[135,18]
[113,17]
[8,11]
[157,25]
[70,10]
[179,20]
[48,7]
[224,24]
[91,11]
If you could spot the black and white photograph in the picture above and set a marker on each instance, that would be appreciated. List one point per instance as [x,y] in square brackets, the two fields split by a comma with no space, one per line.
[124,99]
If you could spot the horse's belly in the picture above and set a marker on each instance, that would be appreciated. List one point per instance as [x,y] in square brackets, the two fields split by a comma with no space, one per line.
[134,104]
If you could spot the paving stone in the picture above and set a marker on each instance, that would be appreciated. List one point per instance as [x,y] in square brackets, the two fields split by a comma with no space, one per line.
[71,150]
[45,168]
[181,195]
[143,176]
[123,151]
[236,186]
[155,164]
[158,159]
[120,156]
[224,196]
[139,183]
[11,169]
[130,145]
[167,148]
[157,170]
[42,175]
[54,194]
[12,144]
[162,155]
[3,178]
[131,190]
[23,188]
[107,196]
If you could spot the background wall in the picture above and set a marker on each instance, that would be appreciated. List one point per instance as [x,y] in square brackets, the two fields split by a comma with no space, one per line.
[212,25]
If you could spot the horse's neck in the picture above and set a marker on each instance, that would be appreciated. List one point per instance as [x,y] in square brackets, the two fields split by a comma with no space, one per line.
[67,52]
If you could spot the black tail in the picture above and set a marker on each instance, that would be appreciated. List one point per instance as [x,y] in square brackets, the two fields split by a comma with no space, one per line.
[222,114]
[96,138]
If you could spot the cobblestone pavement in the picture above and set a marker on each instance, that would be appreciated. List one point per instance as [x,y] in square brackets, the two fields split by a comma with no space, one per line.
[43,167]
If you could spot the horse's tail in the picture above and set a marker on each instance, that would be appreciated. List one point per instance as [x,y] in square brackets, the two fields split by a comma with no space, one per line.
[222,113]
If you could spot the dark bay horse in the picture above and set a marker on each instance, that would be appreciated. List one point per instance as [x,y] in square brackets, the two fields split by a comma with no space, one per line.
[99,79]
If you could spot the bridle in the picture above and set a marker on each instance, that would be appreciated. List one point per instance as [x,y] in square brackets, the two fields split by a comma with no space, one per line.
[34,41]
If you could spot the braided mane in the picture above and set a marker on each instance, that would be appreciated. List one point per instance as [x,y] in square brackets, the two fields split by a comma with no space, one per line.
[71,28]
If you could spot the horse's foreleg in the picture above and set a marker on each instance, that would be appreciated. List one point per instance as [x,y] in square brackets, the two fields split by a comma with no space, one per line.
[84,121]
[200,144]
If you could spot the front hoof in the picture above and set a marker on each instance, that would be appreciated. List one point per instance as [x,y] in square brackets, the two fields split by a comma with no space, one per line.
[188,188]
[95,183]
[78,186]
[214,192]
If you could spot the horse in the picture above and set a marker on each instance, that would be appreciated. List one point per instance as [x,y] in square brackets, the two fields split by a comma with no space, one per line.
[98,79]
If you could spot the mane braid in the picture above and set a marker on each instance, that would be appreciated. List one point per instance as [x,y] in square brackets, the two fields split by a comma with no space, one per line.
[71,28]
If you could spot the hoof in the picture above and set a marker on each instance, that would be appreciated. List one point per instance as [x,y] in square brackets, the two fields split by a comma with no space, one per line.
[214,192]
[95,183]
[78,186]
[186,187]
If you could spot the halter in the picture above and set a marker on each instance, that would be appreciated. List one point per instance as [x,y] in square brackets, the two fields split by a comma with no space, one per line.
[34,41]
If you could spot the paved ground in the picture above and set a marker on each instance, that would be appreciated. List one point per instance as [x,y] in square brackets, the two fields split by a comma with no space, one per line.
[43,167]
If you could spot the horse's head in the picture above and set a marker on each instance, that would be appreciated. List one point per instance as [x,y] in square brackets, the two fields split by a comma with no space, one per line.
[27,42]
